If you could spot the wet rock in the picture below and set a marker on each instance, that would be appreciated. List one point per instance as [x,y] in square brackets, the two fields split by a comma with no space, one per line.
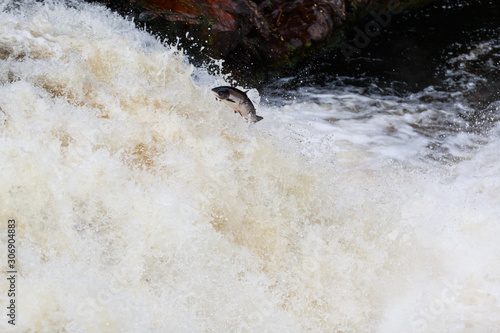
[252,32]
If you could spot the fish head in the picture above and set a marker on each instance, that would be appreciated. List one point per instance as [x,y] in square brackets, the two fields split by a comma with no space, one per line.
[238,101]
[222,93]
[232,97]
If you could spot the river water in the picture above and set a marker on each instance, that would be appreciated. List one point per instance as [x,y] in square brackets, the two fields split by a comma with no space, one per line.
[145,205]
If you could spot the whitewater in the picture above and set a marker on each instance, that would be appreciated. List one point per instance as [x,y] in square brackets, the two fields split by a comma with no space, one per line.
[144,205]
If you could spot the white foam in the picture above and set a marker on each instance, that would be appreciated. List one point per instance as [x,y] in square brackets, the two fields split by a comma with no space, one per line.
[145,205]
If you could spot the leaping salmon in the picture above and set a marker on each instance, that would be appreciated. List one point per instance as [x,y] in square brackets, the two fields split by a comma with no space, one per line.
[238,101]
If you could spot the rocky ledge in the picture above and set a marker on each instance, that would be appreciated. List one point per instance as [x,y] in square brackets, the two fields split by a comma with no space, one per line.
[263,33]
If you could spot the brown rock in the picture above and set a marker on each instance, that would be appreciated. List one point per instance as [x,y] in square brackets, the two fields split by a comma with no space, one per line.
[253,32]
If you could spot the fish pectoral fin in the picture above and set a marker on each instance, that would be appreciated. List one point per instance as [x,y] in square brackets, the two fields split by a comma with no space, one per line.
[230,100]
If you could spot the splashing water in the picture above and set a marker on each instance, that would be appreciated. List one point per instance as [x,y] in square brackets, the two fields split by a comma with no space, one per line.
[144,205]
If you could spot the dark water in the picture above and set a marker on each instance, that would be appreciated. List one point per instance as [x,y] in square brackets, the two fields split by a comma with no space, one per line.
[414,50]
[445,57]
[417,50]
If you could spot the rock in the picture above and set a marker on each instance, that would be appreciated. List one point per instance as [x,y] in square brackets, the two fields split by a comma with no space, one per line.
[251,33]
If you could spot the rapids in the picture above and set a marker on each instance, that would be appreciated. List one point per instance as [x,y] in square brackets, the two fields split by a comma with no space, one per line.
[144,205]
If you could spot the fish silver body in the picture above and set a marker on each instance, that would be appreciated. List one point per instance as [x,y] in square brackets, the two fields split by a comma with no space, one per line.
[238,101]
